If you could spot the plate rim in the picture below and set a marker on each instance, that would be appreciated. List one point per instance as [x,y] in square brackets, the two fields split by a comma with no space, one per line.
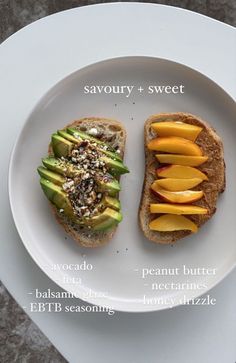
[150,308]
[113,3]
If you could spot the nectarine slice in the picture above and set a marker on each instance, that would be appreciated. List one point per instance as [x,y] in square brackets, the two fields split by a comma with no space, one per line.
[181,159]
[176,209]
[173,128]
[187,196]
[180,172]
[177,185]
[170,223]
[176,145]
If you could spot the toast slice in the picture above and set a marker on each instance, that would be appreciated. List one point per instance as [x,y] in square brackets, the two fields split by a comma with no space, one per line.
[113,133]
[214,168]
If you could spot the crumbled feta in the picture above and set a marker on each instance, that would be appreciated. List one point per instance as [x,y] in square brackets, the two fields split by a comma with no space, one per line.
[93,131]
[68,185]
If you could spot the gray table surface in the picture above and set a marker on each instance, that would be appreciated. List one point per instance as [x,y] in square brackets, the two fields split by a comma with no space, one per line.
[20,339]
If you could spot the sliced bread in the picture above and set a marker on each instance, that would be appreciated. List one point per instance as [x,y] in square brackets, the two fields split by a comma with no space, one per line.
[214,168]
[113,133]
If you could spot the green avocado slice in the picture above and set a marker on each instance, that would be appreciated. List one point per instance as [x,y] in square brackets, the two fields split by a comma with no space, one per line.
[108,201]
[106,220]
[68,137]
[51,176]
[115,167]
[104,226]
[61,167]
[61,146]
[106,183]
[109,151]
[58,197]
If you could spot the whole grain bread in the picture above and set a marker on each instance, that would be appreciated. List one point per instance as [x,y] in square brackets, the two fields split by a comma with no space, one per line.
[113,133]
[214,167]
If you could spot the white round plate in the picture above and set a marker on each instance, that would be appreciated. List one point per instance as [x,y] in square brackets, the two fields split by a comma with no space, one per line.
[116,279]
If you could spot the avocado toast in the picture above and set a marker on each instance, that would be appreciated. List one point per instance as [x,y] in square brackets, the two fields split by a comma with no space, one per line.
[80,178]
[185,173]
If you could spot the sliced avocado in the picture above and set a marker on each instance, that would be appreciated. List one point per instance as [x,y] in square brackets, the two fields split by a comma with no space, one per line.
[68,136]
[60,167]
[106,183]
[51,176]
[58,197]
[107,219]
[103,147]
[58,179]
[61,146]
[113,203]
[115,167]
[105,225]
[111,154]
[84,136]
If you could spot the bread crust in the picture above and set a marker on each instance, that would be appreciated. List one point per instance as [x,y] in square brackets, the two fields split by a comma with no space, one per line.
[214,167]
[115,132]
